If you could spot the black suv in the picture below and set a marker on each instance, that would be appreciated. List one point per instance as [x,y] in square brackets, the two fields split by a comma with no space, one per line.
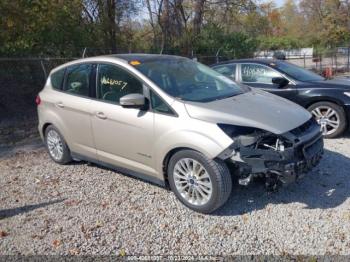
[327,100]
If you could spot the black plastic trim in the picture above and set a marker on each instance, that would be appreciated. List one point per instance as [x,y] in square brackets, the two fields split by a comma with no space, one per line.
[124,171]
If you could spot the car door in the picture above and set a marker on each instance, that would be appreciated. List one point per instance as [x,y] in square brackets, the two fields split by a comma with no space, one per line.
[72,107]
[260,76]
[123,136]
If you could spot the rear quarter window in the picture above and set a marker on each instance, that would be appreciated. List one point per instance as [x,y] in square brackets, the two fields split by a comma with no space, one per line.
[57,79]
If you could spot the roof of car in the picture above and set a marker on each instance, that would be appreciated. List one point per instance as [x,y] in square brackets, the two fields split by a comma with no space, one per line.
[249,60]
[145,57]
[127,58]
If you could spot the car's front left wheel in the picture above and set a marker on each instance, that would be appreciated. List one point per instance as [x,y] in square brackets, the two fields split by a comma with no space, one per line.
[57,146]
[200,183]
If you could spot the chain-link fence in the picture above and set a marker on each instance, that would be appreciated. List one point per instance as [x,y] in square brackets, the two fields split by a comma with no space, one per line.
[328,62]
[21,79]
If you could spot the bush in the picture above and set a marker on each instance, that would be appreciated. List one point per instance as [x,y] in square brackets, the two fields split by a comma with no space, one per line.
[281,42]
[213,39]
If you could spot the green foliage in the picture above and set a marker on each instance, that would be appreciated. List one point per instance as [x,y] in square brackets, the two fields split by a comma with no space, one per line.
[234,29]
[213,39]
[42,27]
[279,42]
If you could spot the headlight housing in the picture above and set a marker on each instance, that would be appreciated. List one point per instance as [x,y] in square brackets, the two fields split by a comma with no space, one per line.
[233,130]
[256,138]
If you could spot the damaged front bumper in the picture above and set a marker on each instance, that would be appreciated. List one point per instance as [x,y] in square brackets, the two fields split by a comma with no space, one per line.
[280,159]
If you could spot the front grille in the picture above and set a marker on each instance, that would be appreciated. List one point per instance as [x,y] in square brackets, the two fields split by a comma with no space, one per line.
[304,128]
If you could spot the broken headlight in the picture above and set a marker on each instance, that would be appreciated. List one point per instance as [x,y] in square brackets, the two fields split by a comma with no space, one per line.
[255,138]
[234,131]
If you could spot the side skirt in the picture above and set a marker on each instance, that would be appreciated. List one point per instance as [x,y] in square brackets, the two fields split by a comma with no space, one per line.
[124,171]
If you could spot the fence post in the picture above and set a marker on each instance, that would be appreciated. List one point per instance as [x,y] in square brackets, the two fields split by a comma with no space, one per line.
[304,61]
[84,52]
[348,66]
[217,55]
[43,67]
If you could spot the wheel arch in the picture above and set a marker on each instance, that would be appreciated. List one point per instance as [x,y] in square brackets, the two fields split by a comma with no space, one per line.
[168,145]
[44,127]
[167,158]
[324,99]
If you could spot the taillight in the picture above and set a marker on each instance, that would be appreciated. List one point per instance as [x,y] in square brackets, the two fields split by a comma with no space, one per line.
[37,100]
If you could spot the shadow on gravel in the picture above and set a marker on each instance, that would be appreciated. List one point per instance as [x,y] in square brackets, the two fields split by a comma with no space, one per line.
[26,146]
[6,213]
[327,186]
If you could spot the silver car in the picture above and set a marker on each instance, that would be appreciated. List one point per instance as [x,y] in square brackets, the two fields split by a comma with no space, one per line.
[177,123]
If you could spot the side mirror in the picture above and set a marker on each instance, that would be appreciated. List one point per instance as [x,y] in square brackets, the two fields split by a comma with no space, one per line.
[133,101]
[280,81]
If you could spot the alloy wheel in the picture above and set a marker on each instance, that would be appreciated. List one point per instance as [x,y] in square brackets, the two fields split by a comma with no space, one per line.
[192,181]
[55,145]
[328,118]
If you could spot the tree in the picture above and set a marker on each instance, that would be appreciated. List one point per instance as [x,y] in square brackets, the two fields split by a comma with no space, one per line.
[64,28]
[327,21]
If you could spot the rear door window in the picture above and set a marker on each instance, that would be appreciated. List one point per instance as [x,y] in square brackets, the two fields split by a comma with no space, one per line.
[114,82]
[78,79]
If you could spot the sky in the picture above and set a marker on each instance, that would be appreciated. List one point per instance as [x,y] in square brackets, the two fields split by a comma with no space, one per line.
[279,3]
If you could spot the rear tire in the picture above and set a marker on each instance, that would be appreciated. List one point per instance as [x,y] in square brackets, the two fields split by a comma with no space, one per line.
[200,183]
[57,146]
[331,117]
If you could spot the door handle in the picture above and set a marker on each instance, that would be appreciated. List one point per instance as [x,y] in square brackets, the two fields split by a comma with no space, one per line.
[101,115]
[60,104]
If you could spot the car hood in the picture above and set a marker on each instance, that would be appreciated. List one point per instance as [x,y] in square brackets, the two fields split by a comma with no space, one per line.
[254,109]
[340,83]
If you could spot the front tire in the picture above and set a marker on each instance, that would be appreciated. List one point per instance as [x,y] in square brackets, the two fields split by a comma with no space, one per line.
[331,117]
[200,183]
[57,146]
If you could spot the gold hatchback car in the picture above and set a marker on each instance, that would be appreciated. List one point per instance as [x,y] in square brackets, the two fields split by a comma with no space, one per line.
[177,123]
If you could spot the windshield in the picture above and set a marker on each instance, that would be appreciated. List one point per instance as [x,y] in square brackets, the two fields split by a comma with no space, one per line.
[297,72]
[188,80]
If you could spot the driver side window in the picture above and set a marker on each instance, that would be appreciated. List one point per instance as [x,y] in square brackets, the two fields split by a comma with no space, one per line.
[114,82]
[254,73]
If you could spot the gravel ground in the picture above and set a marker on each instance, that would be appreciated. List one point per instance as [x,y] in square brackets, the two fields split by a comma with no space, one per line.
[46,208]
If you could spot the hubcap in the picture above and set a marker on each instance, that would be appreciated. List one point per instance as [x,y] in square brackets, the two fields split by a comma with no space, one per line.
[328,118]
[54,145]
[192,181]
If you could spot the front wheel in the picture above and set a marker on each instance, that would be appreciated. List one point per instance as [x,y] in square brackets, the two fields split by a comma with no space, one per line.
[331,118]
[200,183]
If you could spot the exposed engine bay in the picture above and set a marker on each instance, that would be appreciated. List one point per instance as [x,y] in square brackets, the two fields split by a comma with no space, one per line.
[280,159]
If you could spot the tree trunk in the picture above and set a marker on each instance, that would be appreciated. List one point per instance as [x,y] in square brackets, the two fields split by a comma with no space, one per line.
[154,29]
[198,16]
[165,25]
[111,24]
